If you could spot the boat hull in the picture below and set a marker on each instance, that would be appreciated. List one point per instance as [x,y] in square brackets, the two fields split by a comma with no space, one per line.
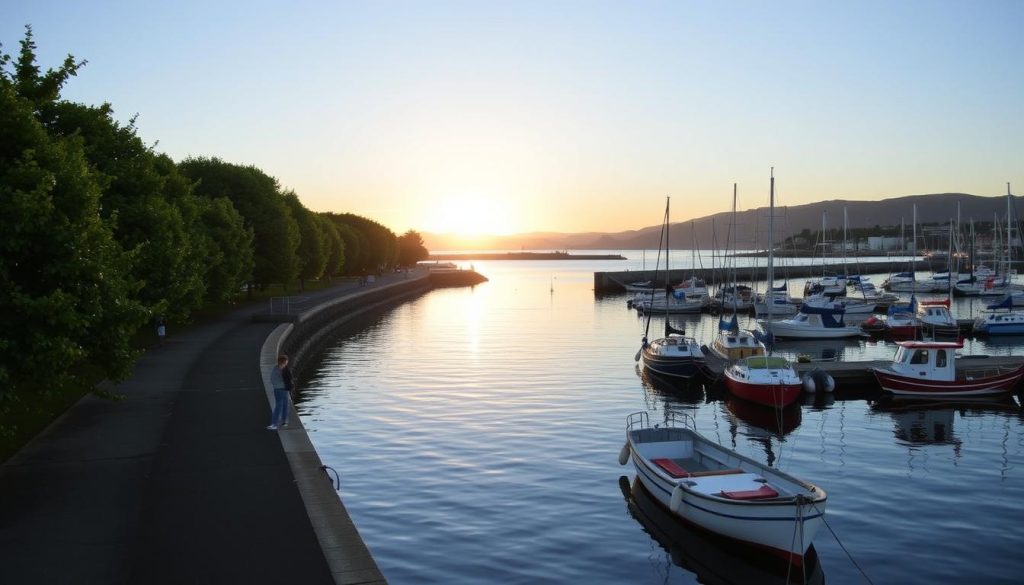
[781,329]
[784,526]
[901,385]
[677,367]
[776,395]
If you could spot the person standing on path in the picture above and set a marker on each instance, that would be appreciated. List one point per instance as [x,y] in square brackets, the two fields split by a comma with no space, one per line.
[281,380]
[161,330]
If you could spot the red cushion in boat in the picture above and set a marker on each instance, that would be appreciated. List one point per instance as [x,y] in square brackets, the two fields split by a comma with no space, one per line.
[671,467]
[760,493]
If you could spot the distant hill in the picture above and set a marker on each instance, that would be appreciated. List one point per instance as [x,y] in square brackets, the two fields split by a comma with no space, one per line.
[752,225]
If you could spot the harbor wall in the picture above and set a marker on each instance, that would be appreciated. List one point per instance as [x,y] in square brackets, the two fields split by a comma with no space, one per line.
[614,281]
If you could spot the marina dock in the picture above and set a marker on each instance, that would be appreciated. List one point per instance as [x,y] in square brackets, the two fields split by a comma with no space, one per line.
[852,374]
[613,282]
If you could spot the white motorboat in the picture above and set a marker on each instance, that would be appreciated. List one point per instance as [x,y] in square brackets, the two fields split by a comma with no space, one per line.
[720,490]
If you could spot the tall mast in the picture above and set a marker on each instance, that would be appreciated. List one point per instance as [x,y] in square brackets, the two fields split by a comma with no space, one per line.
[913,247]
[845,269]
[770,293]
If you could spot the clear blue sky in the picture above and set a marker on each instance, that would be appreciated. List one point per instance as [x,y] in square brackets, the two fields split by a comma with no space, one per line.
[560,116]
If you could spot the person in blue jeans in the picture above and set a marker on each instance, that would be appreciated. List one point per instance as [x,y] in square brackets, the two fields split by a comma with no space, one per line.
[281,380]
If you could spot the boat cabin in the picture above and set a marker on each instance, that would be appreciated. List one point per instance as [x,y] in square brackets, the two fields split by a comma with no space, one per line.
[734,346]
[935,314]
[676,345]
[927,360]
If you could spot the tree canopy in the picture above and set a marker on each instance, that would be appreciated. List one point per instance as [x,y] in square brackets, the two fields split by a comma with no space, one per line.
[103,235]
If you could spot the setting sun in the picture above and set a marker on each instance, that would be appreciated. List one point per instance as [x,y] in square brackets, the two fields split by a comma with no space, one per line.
[472,214]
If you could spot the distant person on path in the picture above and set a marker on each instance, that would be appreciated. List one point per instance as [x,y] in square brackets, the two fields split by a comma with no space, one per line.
[281,380]
[161,330]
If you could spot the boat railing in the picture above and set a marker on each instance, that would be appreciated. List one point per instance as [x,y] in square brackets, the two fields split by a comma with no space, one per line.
[641,420]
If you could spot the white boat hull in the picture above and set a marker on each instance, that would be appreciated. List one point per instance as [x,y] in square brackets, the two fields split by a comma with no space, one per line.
[785,525]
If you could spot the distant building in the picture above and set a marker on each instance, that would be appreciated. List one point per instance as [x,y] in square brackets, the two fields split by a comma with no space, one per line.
[884,243]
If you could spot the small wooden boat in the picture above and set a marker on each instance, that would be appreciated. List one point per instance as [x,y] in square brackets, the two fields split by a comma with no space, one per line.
[722,491]
[928,368]
[768,380]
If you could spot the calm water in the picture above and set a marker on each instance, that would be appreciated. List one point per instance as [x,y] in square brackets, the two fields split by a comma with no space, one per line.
[477,432]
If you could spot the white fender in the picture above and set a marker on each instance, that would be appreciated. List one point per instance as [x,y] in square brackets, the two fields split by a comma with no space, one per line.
[624,454]
[677,499]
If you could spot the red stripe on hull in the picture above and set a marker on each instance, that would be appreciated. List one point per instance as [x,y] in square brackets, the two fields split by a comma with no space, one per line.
[921,387]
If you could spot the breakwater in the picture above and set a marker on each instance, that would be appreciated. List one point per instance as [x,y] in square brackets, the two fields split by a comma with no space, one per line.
[525,256]
[615,281]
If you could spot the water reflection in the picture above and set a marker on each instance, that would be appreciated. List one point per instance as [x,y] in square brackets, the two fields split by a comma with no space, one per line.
[670,390]
[761,425]
[713,559]
[924,422]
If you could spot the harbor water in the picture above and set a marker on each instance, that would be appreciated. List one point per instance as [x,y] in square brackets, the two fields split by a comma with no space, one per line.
[477,430]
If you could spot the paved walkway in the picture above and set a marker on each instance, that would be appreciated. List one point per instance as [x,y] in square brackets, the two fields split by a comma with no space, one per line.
[179,482]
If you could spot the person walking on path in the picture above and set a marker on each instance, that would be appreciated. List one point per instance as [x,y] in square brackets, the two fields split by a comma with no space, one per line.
[281,380]
[161,330]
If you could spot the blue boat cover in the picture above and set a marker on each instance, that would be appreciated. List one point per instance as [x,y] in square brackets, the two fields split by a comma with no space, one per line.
[831,317]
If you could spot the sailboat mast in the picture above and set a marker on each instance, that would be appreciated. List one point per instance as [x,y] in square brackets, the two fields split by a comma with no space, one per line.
[770,293]
[1009,242]
[913,247]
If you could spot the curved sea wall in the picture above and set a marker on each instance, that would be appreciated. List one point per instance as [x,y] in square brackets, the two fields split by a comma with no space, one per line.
[323,321]
[302,333]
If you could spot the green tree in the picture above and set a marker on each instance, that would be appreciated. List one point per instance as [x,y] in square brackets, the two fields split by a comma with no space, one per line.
[258,199]
[378,244]
[411,249]
[228,247]
[312,241]
[335,246]
[141,194]
[67,301]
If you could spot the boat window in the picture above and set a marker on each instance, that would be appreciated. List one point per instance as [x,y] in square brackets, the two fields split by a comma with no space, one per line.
[920,357]
[940,358]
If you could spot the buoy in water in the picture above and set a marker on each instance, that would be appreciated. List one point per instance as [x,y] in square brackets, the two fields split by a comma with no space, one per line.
[819,380]
[677,499]
[624,454]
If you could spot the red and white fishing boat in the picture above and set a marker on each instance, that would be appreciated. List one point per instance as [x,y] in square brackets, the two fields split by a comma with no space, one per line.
[928,368]
[768,380]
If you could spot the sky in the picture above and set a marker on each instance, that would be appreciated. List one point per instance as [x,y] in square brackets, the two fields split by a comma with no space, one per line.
[510,117]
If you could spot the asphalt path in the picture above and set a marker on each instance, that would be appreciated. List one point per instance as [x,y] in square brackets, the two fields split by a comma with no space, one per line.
[177,482]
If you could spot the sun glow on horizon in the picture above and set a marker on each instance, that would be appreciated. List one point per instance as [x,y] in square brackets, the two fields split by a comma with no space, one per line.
[472,214]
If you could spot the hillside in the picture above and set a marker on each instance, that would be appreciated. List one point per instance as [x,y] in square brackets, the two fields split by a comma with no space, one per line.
[752,224]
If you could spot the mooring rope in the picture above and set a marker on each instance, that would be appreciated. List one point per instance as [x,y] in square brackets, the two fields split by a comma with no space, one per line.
[842,546]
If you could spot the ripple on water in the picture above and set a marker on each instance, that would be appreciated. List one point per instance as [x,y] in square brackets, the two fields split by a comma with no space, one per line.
[477,430]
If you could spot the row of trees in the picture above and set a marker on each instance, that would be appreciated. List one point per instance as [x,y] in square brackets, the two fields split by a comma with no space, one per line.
[101,234]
